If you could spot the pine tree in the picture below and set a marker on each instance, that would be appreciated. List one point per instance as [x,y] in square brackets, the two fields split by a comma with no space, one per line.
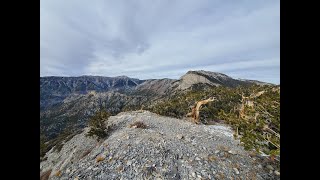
[97,124]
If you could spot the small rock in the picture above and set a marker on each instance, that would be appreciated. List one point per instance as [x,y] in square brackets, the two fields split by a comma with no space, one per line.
[68,171]
[259,166]
[217,151]
[277,173]
[198,159]
[179,136]
[232,152]
[119,168]
[204,148]
[211,157]
[110,158]
[193,174]
[270,167]
[129,163]
[236,170]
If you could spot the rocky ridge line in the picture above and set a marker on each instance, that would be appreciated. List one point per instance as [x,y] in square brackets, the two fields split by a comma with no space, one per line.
[168,148]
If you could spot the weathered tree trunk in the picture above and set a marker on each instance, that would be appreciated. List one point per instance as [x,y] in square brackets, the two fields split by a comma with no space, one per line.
[248,101]
[195,110]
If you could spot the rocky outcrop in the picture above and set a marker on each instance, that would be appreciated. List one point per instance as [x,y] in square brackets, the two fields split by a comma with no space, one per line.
[195,77]
[209,78]
[167,149]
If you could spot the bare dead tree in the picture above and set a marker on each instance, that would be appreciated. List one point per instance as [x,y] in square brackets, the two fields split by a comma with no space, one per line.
[195,110]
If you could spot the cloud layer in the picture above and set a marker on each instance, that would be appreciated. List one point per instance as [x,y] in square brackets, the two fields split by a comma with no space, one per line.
[160,38]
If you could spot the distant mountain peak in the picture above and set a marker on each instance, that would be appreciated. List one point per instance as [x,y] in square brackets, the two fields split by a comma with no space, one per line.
[207,78]
[122,76]
[207,73]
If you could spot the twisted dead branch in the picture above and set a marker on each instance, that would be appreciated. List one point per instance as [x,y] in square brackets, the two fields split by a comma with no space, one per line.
[195,110]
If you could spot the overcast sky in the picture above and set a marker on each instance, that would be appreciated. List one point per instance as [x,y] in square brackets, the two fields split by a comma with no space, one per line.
[160,38]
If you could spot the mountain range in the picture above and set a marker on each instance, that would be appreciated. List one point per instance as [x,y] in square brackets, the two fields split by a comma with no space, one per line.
[70,101]
[94,127]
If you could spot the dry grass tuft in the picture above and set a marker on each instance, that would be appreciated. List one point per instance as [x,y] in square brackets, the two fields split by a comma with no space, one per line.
[220,176]
[236,165]
[212,158]
[100,158]
[224,148]
[138,124]
[120,168]
[45,175]
[252,175]
[85,153]
[58,173]
[252,153]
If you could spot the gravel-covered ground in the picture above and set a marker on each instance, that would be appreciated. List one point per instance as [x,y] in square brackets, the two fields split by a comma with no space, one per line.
[168,148]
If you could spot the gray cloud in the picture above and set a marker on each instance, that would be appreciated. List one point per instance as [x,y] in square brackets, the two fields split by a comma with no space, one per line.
[161,38]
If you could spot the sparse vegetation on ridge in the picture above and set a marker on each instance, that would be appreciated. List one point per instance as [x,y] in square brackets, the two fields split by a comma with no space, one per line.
[257,124]
[98,125]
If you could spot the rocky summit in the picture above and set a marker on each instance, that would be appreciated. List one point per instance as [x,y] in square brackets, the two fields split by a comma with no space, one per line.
[167,148]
